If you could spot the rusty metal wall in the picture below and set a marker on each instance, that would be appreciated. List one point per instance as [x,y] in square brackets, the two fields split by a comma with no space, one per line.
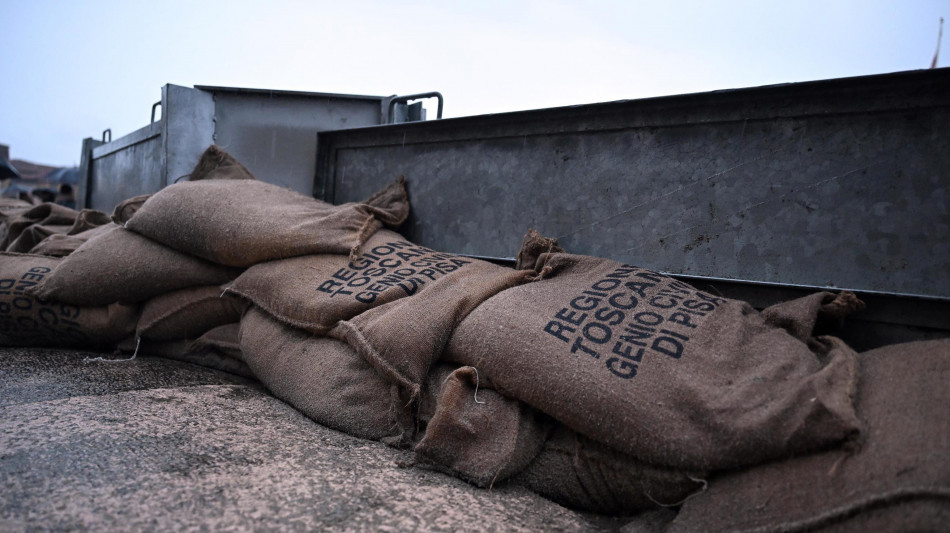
[839,183]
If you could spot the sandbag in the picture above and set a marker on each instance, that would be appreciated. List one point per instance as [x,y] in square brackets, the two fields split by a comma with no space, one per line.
[584,474]
[122,266]
[314,292]
[896,479]
[126,208]
[31,236]
[26,321]
[478,434]
[89,219]
[45,214]
[656,369]
[57,245]
[224,339]
[187,351]
[323,378]
[187,313]
[244,222]
[402,339]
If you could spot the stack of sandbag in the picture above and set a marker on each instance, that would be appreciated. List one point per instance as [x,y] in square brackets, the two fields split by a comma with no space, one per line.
[167,257]
[380,322]
[615,389]
[48,228]
[603,386]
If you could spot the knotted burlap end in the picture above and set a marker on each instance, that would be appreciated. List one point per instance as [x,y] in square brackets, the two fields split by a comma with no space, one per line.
[533,245]
[845,303]
[215,158]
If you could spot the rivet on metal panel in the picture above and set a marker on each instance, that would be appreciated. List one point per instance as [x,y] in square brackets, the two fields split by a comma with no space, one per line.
[107,132]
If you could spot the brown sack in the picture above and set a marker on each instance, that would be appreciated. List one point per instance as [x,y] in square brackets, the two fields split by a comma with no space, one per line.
[89,219]
[244,222]
[33,235]
[897,479]
[186,351]
[25,321]
[46,214]
[187,313]
[225,339]
[654,368]
[478,434]
[324,378]
[122,266]
[403,338]
[583,474]
[62,245]
[314,292]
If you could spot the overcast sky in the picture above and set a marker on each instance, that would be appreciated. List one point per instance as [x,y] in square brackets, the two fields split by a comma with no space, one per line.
[71,69]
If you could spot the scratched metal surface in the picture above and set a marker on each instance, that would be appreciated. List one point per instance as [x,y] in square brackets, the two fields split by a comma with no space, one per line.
[841,183]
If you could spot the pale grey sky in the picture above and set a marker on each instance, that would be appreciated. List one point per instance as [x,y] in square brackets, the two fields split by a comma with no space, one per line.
[70,69]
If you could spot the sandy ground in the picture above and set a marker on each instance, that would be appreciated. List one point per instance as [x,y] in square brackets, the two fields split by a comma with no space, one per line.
[155,444]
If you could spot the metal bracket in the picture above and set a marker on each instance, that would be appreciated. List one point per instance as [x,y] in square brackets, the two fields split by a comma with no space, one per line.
[107,131]
[156,104]
[397,99]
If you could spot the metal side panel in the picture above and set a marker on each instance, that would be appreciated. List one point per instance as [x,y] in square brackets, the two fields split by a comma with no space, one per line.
[840,183]
[85,172]
[274,133]
[126,167]
[188,127]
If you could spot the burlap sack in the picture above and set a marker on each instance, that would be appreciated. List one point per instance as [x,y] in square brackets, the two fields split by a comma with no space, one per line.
[225,339]
[314,292]
[403,338]
[323,378]
[583,474]
[656,369]
[89,219]
[897,479]
[187,313]
[26,321]
[31,236]
[10,209]
[244,222]
[124,211]
[185,350]
[46,214]
[216,164]
[478,434]
[62,245]
[122,266]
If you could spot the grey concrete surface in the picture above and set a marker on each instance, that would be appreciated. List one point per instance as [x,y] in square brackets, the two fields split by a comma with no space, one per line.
[160,445]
